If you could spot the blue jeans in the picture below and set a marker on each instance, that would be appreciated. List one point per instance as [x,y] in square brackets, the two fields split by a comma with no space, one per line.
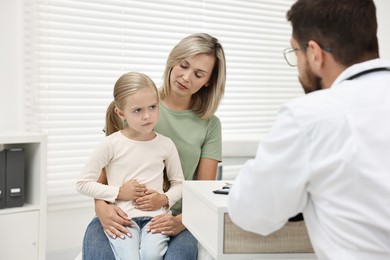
[142,244]
[97,247]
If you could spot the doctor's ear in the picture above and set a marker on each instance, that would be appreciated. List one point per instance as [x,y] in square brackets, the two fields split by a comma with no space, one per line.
[314,53]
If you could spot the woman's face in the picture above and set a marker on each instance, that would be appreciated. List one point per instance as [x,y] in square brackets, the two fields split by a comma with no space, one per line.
[191,74]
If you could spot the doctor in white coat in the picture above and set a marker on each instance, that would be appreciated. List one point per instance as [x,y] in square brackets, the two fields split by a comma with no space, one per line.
[328,153]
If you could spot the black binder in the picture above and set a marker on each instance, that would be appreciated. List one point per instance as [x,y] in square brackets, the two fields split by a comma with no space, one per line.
[2,179]
[15,175]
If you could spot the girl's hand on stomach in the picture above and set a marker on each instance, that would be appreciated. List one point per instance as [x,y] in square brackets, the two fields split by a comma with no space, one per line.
[131,190]
[152,200]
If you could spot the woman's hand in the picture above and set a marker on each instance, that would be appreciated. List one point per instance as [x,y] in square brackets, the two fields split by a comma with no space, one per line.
[113,219]
[152,200]
[131,190]
[166,224]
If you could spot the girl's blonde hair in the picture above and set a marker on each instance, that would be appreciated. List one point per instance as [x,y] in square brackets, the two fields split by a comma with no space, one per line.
[206,101]
[126,85]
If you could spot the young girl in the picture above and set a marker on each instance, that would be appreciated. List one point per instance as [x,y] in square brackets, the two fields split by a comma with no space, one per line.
[134,158]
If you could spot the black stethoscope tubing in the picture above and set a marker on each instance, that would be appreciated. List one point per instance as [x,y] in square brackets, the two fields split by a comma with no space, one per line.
[367,72]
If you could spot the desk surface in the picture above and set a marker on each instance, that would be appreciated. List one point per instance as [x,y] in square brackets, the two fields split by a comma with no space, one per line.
[204,191]
[205,215]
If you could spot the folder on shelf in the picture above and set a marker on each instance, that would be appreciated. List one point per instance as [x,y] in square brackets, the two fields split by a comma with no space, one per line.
[15,175]
[2,179]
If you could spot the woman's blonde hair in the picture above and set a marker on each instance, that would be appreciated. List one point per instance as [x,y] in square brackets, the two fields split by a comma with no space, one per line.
[206,101]
[126,85]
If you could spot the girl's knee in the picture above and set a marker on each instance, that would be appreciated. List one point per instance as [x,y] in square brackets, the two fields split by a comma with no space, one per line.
[151,254]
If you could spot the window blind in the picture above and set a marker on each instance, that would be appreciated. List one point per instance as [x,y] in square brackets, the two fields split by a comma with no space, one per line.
[74,50]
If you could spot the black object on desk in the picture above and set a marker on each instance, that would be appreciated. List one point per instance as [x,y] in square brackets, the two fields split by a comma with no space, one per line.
[224,190]
[298,217]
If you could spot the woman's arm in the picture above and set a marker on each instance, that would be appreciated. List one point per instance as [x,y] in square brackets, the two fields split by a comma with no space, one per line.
[207,169]
[103,177]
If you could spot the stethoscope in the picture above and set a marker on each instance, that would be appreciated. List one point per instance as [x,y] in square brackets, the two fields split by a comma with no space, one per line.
[367,72]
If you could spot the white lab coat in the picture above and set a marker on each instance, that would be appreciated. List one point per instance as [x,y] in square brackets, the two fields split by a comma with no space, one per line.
[328,156]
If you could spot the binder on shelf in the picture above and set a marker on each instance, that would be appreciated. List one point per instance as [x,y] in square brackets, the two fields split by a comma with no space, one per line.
[15,175]
[2,179]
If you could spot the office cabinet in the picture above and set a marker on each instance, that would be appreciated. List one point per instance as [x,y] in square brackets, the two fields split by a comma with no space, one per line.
[23,228]
[19,235]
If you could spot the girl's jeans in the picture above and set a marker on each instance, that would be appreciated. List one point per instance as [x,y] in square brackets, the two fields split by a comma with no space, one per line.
[142,244]
[96,245]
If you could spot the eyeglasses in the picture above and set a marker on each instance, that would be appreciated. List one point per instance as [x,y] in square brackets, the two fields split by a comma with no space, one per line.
[290,54]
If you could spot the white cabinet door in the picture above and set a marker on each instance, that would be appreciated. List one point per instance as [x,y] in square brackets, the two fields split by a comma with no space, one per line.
[19,235]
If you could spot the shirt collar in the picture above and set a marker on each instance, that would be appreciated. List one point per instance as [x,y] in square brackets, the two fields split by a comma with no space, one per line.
[359,67]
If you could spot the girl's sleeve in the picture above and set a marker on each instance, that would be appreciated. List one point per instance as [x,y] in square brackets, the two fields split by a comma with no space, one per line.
[87,183]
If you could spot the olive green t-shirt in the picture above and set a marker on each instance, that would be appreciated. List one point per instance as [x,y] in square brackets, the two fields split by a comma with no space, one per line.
[194,138]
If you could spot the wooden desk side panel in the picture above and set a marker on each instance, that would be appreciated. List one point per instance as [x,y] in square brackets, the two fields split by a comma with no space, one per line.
[292,238]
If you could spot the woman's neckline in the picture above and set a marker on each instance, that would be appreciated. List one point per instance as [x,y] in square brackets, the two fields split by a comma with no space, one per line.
[172,108]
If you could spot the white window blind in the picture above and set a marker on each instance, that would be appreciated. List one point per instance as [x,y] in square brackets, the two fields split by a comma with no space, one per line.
[76,49]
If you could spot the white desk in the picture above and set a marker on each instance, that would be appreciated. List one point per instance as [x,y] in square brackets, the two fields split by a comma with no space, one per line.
[205,215]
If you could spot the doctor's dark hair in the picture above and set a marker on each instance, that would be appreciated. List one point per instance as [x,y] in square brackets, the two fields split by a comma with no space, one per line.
[206,101]
[347,27]
[126,85]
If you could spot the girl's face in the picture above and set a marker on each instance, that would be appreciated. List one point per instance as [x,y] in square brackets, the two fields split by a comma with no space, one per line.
[191,74]
[141,114]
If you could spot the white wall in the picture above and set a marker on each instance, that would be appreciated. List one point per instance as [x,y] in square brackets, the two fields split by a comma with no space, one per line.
[11,90]
[65,231]
[65,228]
[383,8]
